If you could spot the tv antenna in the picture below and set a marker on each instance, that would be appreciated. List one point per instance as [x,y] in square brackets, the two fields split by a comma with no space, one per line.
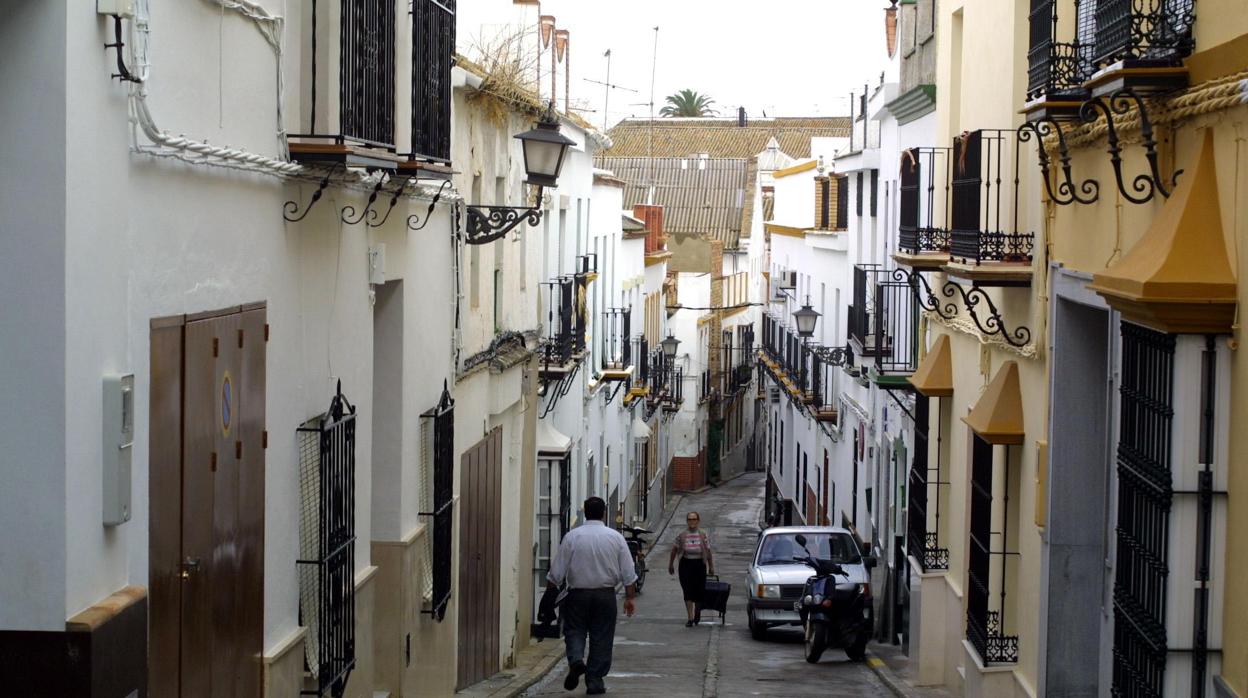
[608,86]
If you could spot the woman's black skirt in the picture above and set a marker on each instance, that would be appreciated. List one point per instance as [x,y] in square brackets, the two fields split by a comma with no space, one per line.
[692,578]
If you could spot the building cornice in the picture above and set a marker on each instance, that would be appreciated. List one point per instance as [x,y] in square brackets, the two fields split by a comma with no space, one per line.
[913,104]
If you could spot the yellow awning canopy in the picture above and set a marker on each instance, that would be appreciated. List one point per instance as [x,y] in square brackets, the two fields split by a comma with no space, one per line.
[1179,278]
[998,416]
[934,377]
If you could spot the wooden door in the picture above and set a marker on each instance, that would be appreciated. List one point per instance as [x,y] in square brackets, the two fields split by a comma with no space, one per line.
[479,526]
[207,504]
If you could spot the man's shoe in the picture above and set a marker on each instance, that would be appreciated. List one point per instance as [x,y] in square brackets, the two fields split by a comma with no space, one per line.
[574,675]
[596,689]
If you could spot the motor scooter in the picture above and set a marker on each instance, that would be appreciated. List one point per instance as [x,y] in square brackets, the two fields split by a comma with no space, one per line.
[637,548]
[832,612]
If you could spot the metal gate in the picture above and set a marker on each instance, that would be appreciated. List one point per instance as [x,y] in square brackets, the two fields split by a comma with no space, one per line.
[479,526]
[1144,496]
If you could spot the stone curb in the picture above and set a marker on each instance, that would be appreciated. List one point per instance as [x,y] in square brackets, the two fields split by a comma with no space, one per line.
[886,675]
[524,677]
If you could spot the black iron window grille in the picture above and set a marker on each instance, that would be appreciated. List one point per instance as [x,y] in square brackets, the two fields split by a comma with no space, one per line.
[985,627]
[825,202]
[858,191]
[922,540]
[920,231]
[443,487]
[985,214]
[1056,70]
[433,54]
[366,74]
[326,563]
[617,341]
[1145,490]
[1157,31]
[842,202]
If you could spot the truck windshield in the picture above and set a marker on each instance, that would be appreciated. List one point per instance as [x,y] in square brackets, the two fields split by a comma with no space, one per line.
[781,548]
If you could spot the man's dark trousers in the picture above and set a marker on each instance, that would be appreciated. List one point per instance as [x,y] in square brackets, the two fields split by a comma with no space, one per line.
[590,612]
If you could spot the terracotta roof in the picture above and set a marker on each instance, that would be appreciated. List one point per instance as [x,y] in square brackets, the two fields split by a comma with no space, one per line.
[722,138]
[700,196]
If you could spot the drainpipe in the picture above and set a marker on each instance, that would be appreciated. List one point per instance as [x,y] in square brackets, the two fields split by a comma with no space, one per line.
[1204,494]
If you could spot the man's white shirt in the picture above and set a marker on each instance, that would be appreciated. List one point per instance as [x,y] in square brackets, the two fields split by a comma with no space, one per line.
[592,556]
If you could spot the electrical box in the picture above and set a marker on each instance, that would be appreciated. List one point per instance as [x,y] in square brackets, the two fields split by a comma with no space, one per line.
[120,8]
[377,264]
[118,446]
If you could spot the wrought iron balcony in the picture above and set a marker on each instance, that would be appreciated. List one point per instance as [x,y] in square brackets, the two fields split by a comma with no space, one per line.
[984,211]
[1057,69]
[674,394]
[1156,32]
[433,53]
[923,238]
[617,343]
[562,343]
[883,320]
[351,112]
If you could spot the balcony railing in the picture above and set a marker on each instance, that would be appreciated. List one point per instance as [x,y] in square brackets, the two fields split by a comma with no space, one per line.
[926,174]
[617,340]
[433,51]
[1056,70]
[896,326]
[984,211]
[674,394]
[563,337]
[1150,30]
[641,377]
[359,111]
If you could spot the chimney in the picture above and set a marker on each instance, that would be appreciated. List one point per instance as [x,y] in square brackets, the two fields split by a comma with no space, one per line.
[741,117]
[890,28]
[652,216]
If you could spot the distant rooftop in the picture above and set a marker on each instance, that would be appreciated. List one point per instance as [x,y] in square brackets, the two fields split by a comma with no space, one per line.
[721,137]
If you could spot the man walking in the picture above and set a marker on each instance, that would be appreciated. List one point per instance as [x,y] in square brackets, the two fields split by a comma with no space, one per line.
[593,560]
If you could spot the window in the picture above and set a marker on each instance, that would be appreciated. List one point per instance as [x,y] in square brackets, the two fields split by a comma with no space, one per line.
[858,195]
[326,563]
[433,50]
[1144,501]
[842,202]
[923,517]
[989,537]
[875,192]
[442,489]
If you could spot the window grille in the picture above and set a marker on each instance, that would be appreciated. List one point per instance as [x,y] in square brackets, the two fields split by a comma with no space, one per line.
[985,628]
[896,324]
[433,52]
[443,486]
[1145,491]
[366,70]
[842,202]
[858,195]
[326,564]
[924,543]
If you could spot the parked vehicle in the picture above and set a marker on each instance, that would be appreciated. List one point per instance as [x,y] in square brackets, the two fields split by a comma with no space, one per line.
[637,547]
[783,591]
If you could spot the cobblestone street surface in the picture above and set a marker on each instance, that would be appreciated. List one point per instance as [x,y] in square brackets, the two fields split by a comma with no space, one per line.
[656,655]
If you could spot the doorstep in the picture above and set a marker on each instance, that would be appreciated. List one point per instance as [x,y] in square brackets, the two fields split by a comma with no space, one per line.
[532,663]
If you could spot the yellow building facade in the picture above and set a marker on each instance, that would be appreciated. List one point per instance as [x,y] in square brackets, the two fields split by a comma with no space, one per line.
[1080,275]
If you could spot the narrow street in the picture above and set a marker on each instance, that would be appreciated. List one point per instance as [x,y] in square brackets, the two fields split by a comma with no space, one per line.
[656,655]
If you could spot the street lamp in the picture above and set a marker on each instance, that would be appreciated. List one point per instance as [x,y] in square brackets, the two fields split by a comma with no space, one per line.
[806,318]
[545,150]
[669,346]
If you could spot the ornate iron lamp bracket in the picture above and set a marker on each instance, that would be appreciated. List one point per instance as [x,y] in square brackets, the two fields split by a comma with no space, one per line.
[993,324]
[1144,186]
[835,356]
[1088,191]
[489,223]
[292,207]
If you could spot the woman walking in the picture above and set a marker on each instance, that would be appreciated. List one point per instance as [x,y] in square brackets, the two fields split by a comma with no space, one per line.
[694,548]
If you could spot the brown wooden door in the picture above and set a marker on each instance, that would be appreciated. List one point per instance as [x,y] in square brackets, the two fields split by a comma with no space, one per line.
[479,526]
[207,494]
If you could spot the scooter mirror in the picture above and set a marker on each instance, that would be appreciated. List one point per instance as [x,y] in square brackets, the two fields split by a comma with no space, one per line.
[801,540]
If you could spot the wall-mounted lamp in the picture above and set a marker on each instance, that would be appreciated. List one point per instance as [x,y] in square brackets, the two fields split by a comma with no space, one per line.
[806,317]
[669,347]
[545,149]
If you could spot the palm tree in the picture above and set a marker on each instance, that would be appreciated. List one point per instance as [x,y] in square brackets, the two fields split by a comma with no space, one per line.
[688,103]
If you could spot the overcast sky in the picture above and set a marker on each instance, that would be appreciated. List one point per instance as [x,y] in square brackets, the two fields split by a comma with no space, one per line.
[784,57]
